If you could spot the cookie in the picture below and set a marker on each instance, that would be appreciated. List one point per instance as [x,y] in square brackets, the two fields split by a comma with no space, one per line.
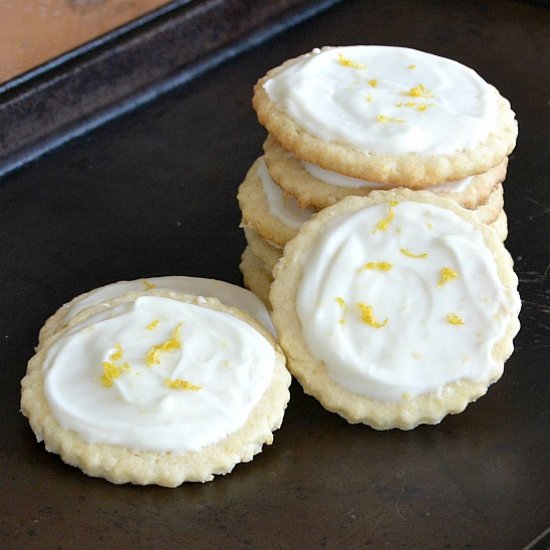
[135,390]
[395,309]
[488,213]
[266,252]
[500,225]
[314,187]
[276,217]
[386,114]
[271,222]
[229,294]
[255,276]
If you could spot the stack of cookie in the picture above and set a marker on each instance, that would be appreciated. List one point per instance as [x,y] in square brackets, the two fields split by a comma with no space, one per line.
[347,121]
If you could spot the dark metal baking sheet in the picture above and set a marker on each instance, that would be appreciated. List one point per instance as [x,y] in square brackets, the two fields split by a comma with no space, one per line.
[129,66]
[153,193]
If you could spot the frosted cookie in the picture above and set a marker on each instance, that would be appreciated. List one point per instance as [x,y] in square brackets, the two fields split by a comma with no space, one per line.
[315,187]
[266,252]
[255,276]
[229,294]
[500,225]
[136,390]
[280,224]
[489,212]
[276,217]
[386,114]
[395,309]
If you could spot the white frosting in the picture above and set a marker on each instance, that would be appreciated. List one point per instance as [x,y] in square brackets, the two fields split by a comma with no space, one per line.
[340,103]
[340,180]
[230,361]
[227,293]
[418,350]
[281,206]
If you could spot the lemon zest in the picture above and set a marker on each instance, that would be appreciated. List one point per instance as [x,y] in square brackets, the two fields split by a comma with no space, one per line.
[342,303]
[419,91]
[347,62]
[384,118]
[380,266]
[454,319]
[416,106]
[153,324]
[373,82]
[382,225]
[411,67]
[171,344]
[406,104]
[112,372]
[410,254]
[447,274]
[117,354]
[367,316]
[180,384]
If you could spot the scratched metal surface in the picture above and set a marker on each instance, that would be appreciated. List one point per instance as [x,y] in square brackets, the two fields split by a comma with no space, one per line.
[153,193]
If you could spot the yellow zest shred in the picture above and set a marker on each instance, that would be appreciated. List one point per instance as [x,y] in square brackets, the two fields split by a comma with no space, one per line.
[380,266]
[148,285]
[423,106]
[454,319]
[180,384]
[382,225]
[416,106]
[410,254]
[112,372]
[367,316]
[411,67]
[369,98]
[447,274]
[384,118]
[117,354]
[419,91]
[153,324]
[373,82]
[347,62]
[342,303]
[171,344]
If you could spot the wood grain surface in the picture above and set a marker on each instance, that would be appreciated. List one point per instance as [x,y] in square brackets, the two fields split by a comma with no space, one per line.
[35,31]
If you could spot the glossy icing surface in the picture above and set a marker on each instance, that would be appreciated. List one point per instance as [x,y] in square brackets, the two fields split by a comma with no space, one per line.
[282,207]
[157,374]
[399,299]
[340,180]
[227,293]
[386,100]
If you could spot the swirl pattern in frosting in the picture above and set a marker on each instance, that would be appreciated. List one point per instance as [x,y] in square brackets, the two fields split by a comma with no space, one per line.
[157,374]
[386,100]
[399,299]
